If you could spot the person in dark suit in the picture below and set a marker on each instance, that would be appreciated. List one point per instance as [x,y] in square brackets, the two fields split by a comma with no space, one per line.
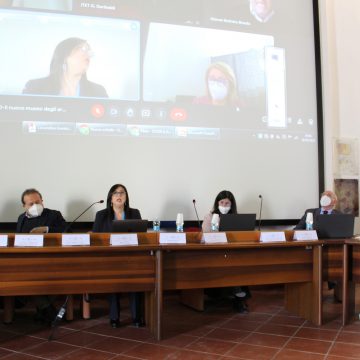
[261,10]
[118,208]
[328,200]
[67,76]
[37,219]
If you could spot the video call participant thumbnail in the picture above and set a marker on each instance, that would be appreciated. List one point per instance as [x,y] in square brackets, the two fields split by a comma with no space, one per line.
[60,5]
[67,76]
[262,10]
[221,86]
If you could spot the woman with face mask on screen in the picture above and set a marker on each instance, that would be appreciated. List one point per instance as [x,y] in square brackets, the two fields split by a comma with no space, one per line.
[221,87]
[225,203]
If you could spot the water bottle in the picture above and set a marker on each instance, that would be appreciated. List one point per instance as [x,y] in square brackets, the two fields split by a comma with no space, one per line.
[156,225]
[180,223]
[215,222]
[309,221]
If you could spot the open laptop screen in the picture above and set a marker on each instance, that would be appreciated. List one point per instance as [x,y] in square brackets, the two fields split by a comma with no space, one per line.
[237,222]
[129,226]
[335,226]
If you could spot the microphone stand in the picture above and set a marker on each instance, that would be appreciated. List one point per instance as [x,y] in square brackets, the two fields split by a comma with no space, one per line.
[57,319]
[261,202]
[70,224]
[62,310]
[197,216]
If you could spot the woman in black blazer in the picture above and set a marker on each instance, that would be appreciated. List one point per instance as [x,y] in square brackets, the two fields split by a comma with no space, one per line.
[117,208]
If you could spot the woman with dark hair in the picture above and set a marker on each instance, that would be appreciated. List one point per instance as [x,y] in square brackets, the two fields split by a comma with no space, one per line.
[225,203]
[118,208]
[67,76]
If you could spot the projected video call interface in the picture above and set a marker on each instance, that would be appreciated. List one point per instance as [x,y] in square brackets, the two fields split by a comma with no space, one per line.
[154,68]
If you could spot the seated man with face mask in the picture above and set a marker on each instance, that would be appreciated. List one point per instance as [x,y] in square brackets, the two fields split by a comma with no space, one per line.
[37,219]
[328,202]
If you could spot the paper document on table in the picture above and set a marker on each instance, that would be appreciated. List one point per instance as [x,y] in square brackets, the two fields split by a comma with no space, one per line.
[272,236]
[172,238]
[27,240]
[305,235]
[3,240]
[123,239]
[75,240]
[214,238]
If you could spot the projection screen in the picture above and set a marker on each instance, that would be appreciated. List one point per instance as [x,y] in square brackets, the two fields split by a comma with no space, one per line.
[177,100]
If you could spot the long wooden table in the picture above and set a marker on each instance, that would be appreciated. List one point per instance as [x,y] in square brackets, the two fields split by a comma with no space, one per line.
[98,268]
[245,261]
[154,268]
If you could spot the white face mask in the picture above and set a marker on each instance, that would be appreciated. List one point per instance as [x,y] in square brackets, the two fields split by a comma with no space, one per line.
[325,201]
[224,209]
[35,210]
[217,90]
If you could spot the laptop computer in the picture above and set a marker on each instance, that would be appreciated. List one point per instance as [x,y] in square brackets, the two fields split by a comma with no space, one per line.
[237,222]
[129,226]
[335,226]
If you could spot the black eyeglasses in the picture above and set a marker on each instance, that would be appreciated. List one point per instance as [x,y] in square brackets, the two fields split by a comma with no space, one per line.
[119,193]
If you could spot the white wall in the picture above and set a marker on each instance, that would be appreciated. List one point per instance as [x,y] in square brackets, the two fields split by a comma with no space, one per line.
[340,30]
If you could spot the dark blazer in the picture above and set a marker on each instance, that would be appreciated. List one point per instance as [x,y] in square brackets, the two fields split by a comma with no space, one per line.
[103,223]
[316,212]
[47,86]
[51,218]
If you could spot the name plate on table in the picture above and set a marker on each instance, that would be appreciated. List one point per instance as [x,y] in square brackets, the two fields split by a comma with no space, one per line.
[272,236]
[123,239]
[27,240]
[214,238]
[172,238]
[75,240]
[305,235]
[3,240]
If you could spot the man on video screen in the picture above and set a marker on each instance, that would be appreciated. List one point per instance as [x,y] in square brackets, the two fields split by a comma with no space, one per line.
[262,10]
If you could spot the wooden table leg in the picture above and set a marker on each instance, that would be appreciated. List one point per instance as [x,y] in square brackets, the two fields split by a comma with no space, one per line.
[8,309]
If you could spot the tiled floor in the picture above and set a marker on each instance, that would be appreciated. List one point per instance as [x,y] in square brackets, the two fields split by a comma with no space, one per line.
[267,332]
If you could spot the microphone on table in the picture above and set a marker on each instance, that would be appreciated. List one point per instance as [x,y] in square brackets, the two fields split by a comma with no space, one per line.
[261,202]
[197,216]
[60,314]
[70,224]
